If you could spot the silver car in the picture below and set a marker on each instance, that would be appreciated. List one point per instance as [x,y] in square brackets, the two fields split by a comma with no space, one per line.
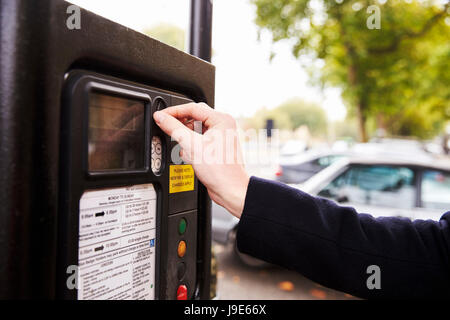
[386,187]
[414,189]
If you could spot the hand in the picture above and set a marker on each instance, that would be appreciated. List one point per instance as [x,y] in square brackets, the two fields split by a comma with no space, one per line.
[215,155]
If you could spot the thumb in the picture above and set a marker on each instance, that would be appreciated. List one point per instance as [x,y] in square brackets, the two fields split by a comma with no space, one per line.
[174,128]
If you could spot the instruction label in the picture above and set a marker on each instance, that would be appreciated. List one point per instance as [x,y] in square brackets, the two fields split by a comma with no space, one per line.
[181,178]
[117,249]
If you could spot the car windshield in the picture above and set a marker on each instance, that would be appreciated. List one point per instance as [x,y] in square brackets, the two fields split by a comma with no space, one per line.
[436,190]
[387,186]
[326,161]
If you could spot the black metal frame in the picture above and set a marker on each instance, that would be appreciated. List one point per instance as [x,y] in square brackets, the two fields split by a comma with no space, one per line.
[36,53]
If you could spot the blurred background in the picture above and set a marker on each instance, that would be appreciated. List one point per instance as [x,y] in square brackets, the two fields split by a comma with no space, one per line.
[344,99]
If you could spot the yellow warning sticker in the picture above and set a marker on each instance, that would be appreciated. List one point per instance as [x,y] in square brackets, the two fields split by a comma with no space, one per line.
[181,178]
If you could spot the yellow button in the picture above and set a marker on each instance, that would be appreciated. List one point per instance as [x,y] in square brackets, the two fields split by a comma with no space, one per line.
[181,249]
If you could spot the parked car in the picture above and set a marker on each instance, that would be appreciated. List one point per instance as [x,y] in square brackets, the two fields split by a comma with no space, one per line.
[224,227]
[299,168]
[386,187]
[380,186]
[292,148]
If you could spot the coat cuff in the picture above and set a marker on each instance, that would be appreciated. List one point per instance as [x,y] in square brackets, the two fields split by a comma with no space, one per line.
[260,201]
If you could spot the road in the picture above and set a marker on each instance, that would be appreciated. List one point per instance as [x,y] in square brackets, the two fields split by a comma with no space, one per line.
[236,281]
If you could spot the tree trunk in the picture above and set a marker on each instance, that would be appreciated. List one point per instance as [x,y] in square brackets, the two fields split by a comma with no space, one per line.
[361,102]
[363,137]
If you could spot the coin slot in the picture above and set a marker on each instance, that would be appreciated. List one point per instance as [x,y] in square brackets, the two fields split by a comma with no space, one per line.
[159,104]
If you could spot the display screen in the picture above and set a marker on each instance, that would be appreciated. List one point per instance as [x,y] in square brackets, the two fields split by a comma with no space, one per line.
[116,133]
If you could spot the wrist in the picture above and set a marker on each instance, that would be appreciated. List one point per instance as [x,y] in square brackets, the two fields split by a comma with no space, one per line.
[234,197]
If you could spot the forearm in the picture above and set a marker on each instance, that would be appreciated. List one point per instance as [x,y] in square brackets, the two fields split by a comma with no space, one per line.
[334,245]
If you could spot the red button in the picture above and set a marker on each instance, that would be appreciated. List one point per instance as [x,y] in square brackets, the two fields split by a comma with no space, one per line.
[182,292]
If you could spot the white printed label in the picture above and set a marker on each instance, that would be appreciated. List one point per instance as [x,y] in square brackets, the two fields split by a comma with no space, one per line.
[117,234]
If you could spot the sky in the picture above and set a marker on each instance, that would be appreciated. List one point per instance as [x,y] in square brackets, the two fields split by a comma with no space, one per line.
[245,78]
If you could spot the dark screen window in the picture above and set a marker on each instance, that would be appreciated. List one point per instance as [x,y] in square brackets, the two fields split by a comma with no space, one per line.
[116,133]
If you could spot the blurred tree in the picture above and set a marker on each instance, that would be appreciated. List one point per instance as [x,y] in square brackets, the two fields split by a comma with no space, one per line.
[304,113]
[291,115]
[167,33]
[382,72]
[420,92]
[347,128]
[258,121]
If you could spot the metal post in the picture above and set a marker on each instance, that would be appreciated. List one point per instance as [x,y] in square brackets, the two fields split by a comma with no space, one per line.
[200,46]
[201,29]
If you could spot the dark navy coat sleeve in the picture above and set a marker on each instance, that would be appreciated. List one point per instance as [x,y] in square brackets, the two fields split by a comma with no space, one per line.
[334,245]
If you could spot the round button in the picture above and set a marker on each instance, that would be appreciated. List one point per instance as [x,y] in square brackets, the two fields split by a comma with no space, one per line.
[158,148]
[181,270]
[182,292]
[182,226]
[157,165]
[156,156]
[181,249]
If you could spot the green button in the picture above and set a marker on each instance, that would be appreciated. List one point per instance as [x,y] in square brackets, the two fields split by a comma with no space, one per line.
[182,226]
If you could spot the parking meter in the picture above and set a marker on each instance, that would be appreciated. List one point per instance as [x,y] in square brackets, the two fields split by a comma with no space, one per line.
[96,203]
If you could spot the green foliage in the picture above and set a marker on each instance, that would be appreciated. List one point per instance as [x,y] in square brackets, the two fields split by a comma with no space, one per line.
[258,121]
[422,122]
[391,71]
[303,113]
[347,128]
[291,115]
[169,34]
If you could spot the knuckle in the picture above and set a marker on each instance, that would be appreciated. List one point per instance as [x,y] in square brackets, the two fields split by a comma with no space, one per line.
[230,120]
[202,105]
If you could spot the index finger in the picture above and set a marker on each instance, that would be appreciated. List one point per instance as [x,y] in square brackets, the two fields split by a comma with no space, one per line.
[197,111]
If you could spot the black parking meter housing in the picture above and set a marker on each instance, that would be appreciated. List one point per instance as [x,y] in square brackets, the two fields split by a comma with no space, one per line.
[49,74]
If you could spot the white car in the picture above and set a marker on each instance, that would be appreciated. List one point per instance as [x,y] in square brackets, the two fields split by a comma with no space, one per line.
[380,187]
[299,168]
[413,189]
